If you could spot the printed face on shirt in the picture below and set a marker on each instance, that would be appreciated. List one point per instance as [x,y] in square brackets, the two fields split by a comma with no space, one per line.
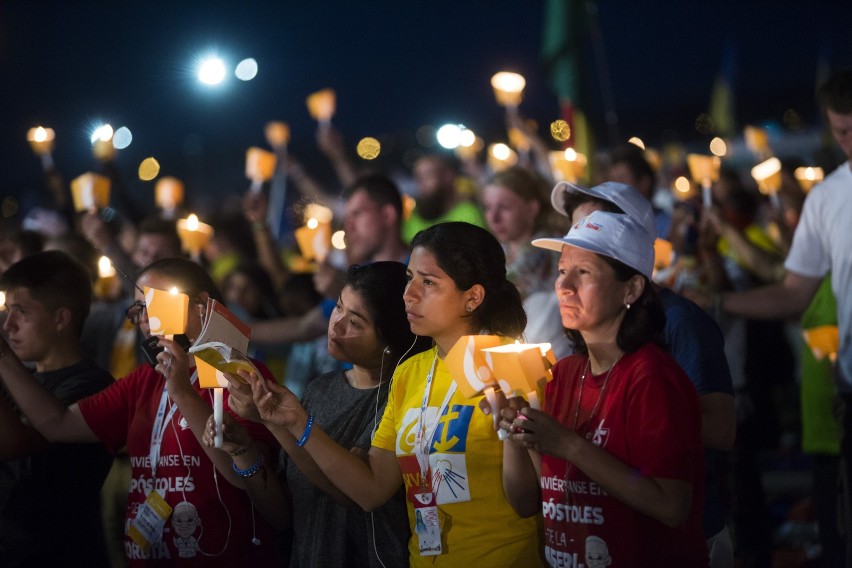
[434,304]
[508,215]
[154,280]
[352,333]
[591,299]
[31,327]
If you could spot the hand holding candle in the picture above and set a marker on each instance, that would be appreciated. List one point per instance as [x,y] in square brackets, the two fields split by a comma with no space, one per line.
[472,373]
[767,174]
[704,170]
[521,369]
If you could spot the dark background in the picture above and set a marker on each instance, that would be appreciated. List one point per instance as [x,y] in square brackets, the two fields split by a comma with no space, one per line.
[395,65]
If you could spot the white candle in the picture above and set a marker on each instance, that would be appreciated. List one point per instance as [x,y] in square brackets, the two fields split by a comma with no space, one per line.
[218,410]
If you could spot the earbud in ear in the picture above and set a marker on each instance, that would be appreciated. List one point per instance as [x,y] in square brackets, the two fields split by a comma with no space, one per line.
[387,350]
[255,541]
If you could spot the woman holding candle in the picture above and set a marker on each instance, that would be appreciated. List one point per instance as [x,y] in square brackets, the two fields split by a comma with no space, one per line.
[159,414]
[614,458]
[369,329]
[431,439]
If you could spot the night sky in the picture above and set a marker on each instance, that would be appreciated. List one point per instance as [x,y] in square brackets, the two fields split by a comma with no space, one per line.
[395,65]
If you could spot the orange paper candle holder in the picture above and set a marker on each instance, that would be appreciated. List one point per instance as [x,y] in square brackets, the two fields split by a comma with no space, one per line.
[767,174]
[90,191]
[322,105]
[41,140]
[168,193]
[260,166]
[521,369]
[167,311]
[277,134]
[314,240]
[194,235]
[508,88]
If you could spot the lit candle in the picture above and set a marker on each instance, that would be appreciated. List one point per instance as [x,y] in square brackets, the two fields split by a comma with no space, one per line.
[168,195]
[321,106]
[467,364]
[314,239]
[767,174]
[41,140]
[90,191]
[277,134]
[105,286]
[167,311]
[260,167]
[500,157]
[704,170]
[808,177]
[508,89]
[521,368]
[757,140]
[194,235]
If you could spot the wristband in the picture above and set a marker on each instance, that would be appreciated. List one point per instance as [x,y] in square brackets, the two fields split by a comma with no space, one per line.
[304,439]
[252,469]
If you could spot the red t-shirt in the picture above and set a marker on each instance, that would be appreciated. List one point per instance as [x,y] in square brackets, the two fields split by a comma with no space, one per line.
[649,418]
[124,414]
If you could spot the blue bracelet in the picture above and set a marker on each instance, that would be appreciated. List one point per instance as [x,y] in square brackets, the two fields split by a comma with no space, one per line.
[252,469]
[304,439]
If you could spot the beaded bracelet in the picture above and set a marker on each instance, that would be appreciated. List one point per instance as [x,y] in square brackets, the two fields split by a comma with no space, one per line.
[304,439]
[252,469]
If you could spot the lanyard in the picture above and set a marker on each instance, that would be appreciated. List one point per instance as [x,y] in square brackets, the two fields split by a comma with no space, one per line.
[421,452]
[160,423]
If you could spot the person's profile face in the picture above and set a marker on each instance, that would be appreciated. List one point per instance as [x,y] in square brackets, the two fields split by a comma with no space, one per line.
[31,328]
[352,332]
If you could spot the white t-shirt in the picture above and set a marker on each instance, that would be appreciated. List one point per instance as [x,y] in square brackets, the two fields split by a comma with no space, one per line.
[823,242]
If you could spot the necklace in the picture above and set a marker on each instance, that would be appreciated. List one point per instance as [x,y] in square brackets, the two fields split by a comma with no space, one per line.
[569,466]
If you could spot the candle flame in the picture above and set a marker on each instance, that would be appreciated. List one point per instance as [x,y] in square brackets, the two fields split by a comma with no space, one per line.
[682,184]
[312,223]
[192,222]
[105,267]
[500,151]
[40,134]
[173,291]
[570,154]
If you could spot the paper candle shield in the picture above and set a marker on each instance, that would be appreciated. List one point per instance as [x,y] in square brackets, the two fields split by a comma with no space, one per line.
[321,105]
[168,193]
[508,88]
[166,311]
[662,254]
[41,140]
[90,191]
[193,234]
[767,174]
[521,368]
[314,241]
[703,169]
[260,164]
[756,139]
[823,341]
[277,134]
[467,363]
[208,376]
[808,177]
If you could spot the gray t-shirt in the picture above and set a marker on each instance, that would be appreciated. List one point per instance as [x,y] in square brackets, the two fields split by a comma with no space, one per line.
[324,532]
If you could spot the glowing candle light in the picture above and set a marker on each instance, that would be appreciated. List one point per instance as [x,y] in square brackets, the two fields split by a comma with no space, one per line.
[168,195]
[277,134]
[704,170]
[260,167]
[808,177]
[167,311]
[314,239]
[508,88]
[41,140]
[522,368]
[194,235]
[322,105]
[90,191]
[767,174]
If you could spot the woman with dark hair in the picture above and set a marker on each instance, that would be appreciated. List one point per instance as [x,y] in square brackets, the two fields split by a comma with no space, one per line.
[158,412]
[615,456]
[369,329]
[431,439]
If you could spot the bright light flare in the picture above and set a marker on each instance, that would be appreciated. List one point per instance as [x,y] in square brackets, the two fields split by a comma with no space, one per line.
[246,69]
[211,71]
[718,147]
[103,132]
[501,151]
[636,141]
[338,240]
[682,185]
[192,222]
[449,136]
[467,138]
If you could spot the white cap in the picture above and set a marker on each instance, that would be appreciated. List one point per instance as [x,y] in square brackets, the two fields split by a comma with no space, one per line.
[614,235]
[625,197]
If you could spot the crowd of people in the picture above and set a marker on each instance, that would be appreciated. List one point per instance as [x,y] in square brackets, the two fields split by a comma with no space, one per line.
[350,442]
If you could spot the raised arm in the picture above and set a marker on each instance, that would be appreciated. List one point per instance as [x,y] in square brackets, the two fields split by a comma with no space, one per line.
[47,414]
[369,483]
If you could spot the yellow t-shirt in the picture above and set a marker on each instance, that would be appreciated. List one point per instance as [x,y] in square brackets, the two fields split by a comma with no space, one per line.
[479,527]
